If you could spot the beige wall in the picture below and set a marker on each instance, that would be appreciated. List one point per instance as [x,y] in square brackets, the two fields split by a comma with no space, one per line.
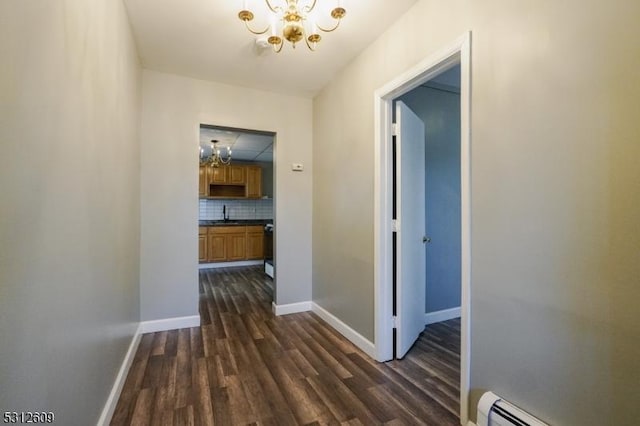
[173,108]
[69,204]
[555,196]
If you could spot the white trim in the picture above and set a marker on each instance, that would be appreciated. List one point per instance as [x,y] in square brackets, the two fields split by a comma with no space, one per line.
[458,51]
[229,264]
[143,327]
[114,395]
[354,337]
[465,225]
[443,315]
[291,308]
[170,324]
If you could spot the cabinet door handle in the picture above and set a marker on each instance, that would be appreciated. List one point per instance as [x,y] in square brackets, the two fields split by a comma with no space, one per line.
[426,239]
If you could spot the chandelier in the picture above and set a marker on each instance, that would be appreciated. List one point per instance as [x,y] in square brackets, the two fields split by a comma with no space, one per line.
[292,22]
[214,159]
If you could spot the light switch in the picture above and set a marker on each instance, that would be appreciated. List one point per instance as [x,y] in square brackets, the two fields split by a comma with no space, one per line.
[297,167]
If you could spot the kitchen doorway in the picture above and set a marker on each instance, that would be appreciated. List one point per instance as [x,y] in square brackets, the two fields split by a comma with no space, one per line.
[236,214]
[386,225]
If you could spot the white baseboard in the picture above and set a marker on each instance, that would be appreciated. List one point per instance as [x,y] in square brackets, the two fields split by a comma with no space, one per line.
[229,264]
[170,324]
[143,327]
[353,336]
[114,395]
[292,308]
[443,315]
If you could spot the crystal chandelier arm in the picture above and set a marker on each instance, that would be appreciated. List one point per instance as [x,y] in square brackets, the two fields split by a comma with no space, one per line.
[278,49]
[246,23]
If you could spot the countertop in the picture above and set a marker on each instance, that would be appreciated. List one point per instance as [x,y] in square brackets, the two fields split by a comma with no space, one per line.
[233,222]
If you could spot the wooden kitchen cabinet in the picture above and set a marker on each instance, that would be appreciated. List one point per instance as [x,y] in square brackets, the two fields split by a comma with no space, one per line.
[255,242]
[228,175]
[217,248]
[227,182]
[236,245]
[231,243]
[236,175]
[226,243]
[254,182]
[234,181]
[202,244]
[203,183]
[218,175]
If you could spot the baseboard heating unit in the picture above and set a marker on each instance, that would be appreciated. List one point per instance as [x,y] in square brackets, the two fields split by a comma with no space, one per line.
[495,411]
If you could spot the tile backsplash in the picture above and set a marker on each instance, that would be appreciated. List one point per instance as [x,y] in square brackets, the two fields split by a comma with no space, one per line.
[236,209]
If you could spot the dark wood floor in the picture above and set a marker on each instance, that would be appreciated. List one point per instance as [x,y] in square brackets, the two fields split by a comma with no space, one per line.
[245,366]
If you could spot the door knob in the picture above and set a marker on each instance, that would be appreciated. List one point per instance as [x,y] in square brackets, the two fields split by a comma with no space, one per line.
[426,239]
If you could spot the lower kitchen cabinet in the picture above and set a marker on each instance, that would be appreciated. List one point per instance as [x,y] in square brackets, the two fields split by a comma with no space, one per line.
[202,244]
[255,242]
[216,248]
[231,243]
[236,245]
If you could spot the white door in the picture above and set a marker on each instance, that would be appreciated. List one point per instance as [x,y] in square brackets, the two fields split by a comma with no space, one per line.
[410,254]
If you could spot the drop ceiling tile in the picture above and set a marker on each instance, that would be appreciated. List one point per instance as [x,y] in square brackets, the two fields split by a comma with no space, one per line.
[237,154]
[265,156]
[253,142]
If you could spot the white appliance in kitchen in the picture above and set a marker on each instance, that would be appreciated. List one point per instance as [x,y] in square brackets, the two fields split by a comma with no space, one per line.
[269,267]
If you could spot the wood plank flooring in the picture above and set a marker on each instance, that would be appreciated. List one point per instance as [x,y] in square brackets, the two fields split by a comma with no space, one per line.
[244,366]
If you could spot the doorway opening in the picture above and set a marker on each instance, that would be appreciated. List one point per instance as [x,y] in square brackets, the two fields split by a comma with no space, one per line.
[394,235]
[236,203]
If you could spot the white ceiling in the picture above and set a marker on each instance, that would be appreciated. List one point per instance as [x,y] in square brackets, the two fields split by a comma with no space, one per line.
[244,146]
[205,39]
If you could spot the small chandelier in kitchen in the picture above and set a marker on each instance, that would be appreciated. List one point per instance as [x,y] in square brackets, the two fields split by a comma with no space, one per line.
[214,159]
[292,22]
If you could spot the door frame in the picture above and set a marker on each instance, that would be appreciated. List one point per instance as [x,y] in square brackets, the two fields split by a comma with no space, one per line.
[202,123]
[457,52]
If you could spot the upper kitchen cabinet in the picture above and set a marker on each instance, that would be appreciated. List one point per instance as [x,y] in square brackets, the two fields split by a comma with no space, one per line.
[203,183]
[228,175]
[237,175]
[267,180]
[218,175]
[234,181]
[254,182]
